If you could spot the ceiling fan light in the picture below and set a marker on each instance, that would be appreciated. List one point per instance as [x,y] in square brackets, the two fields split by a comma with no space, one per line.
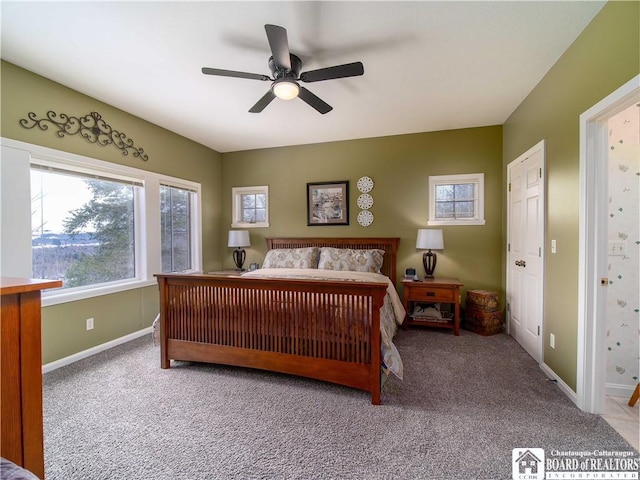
[285,89]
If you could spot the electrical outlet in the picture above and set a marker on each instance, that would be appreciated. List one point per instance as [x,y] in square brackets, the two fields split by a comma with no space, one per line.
[89,323]
[552,340]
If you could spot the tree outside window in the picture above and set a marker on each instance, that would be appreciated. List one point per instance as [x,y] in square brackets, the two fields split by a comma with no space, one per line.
[175,223]
[82,229]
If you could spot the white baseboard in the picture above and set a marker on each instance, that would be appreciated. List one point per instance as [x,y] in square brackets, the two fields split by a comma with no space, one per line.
[619,390]
[97,349]
[566,389]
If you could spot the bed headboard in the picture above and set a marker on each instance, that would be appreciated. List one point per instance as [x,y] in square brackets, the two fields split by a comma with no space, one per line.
[389,245]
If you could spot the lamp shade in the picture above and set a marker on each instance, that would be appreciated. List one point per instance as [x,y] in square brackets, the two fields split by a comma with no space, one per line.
[430,239]
[239,238]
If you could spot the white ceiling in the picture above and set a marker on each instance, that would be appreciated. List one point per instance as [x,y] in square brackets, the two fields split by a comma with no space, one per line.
[428,65]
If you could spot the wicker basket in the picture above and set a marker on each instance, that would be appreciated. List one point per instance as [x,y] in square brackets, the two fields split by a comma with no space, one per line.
[482,300]
[482,322]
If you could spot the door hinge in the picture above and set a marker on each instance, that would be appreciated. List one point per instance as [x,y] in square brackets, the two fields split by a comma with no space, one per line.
[539,251]
[540,172]
[509,186]
[538,330]
[508,247]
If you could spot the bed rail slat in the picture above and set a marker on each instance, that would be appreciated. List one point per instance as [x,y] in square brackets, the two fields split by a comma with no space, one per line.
[332,326]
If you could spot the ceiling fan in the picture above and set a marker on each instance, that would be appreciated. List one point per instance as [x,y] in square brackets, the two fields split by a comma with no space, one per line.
[285,68]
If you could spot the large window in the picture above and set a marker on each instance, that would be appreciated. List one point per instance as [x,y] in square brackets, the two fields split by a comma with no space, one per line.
[82,228]
[175,223]
[456,199]
[101,227]
[250,207]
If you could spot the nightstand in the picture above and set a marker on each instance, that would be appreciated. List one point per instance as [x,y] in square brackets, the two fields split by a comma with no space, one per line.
[433,290]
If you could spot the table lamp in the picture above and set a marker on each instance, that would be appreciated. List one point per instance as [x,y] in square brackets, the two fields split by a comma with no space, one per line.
[429,239]
[237,240]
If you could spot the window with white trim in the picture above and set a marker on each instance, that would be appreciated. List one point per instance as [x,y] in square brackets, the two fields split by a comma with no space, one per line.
[175,228]
[456,199]
[250,207]
[100,227]
[83,226]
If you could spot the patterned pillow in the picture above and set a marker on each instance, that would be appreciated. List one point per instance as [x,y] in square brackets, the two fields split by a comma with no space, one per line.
[292,258]
[350,259]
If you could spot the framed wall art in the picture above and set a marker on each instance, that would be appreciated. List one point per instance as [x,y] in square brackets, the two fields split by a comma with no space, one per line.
[328,203]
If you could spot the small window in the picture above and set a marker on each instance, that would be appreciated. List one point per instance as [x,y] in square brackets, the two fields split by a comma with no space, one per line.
[175,228]
[456,199]
[250,207]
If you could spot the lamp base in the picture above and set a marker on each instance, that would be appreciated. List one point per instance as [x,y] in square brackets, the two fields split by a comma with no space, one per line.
[429,261]
[239,256]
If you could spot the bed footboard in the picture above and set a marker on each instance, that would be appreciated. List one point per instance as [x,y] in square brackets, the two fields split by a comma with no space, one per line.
[326,330]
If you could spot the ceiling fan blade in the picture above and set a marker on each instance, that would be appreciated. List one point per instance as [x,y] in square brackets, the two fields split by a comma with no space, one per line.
[233,73]
[263,102]
[339,71]
[279,44]
[315,102]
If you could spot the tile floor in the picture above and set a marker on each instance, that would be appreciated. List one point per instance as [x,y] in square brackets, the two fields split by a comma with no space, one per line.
[623,418]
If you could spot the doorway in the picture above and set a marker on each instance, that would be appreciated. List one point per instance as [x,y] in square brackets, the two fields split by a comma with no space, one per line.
[525,249]
[594,243]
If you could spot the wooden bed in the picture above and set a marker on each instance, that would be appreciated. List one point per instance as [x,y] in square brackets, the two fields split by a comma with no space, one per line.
[322,329]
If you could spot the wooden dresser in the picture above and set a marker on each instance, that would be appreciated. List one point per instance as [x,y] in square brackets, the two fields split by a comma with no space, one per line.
[21,422]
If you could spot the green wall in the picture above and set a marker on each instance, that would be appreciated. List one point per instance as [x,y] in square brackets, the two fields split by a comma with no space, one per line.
[604,57]
[400,167]
[123,313]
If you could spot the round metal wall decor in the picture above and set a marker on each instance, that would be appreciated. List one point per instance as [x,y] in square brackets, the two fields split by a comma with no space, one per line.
[365,201]
[365,218]
[365,184]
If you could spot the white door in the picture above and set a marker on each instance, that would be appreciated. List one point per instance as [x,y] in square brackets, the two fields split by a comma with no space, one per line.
[525,249]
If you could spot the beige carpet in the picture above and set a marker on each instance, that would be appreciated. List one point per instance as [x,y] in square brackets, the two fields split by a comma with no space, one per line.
[465,403]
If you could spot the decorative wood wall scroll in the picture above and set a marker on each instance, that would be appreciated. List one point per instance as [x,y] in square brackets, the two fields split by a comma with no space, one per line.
[91,127]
